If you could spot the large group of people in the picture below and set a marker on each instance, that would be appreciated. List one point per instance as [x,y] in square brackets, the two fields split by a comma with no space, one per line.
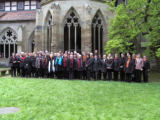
[84,66]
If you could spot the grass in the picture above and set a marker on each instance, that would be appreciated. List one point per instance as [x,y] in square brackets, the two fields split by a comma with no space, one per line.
[47,99]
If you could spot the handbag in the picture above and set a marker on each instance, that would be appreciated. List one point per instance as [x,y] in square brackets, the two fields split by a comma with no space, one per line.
[26,67]
[10,64]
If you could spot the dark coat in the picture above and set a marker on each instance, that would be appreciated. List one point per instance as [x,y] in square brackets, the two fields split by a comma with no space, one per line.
[77,68]
[109,62]
[18,61]
[103,66]
[45,63]
[68,65]
[122,62]
[32,63]
[96,65]
[12,61]
[90,62]
[146,64]
[134,61]
[130,67]
[116,64]
[27,61]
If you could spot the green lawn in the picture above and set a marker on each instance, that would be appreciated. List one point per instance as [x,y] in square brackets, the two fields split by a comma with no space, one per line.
[41,99]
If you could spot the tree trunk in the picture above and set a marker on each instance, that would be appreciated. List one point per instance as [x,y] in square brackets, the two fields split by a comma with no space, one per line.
[158,62]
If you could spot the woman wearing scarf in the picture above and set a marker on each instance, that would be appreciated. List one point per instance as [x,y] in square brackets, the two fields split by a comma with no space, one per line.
[103,67]
[65,66]
[128,68]
[146,67]
[45,66]
[109,66]
[139,68]
[58,66]
[116,64]
[13,64]
[71,67]
[88,66]
[122,62]
[96,67]
[27,68]
[39,65]
[51,66]
[79,66]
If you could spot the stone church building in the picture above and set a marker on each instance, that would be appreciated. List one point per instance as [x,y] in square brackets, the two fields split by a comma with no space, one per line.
[53,25]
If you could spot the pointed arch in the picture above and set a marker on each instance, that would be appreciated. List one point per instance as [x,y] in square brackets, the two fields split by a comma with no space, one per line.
[8,41]
[101,16]
[67,14]
[72,30]
[47,18]
[31,41]
[98,26]
[47,30]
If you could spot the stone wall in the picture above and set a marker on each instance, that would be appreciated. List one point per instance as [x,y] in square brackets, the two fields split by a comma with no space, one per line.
[59,14]
[27,28]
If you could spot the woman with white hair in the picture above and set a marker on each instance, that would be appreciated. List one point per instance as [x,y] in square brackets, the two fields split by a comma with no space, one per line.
[109,66]
[79,66]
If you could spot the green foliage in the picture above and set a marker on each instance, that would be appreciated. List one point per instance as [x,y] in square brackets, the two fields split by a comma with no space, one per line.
[139,16]
[48,99]
[158,52]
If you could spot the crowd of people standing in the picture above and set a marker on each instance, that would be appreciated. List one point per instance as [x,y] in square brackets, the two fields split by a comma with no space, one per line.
[84,66]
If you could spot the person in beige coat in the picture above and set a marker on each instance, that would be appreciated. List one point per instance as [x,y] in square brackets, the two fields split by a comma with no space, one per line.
[138,68]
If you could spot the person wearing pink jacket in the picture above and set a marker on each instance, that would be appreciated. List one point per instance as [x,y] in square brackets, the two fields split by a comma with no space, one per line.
[139,68]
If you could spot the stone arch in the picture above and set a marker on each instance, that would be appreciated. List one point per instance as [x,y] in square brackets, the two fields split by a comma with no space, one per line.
[8,41]
[100,13]
[67,14]
[71,25]
[32,41]
[47,31]
[98,27]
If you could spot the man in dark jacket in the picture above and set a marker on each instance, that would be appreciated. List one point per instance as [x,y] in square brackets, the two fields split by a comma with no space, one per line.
[27,66]
[96,67]
[122,62]
[146,67]
[116,64]
[13,62]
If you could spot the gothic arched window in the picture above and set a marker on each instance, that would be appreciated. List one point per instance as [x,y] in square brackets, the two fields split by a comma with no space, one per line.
[8,42]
